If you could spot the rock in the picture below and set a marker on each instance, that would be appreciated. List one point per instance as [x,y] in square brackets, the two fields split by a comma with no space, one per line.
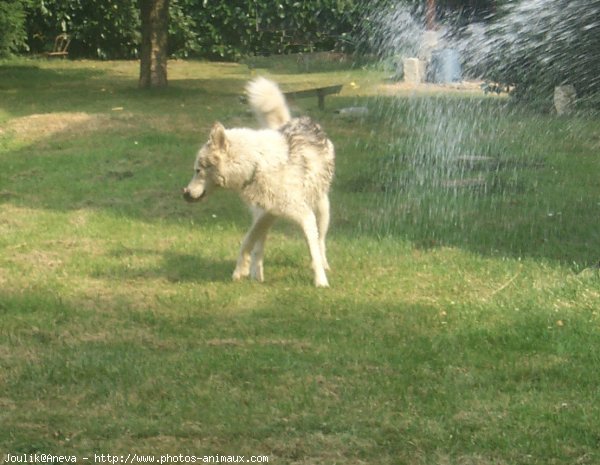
[353,112]
[564,99]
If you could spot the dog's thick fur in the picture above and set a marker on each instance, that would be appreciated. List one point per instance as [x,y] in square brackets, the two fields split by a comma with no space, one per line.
[282,170]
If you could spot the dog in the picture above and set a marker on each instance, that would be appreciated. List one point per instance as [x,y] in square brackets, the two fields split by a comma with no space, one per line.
[284,169]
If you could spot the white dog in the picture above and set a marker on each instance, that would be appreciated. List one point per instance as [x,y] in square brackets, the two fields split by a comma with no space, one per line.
[283,170]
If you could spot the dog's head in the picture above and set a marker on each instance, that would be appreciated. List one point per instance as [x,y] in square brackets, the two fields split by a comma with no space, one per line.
[207,174]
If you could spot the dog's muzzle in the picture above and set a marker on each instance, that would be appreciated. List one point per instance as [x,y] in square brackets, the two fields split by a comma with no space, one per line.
[187,195]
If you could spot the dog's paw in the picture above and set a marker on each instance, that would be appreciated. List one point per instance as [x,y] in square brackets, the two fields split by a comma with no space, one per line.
[240,274]
[242,268]
[256,272]
[321,282]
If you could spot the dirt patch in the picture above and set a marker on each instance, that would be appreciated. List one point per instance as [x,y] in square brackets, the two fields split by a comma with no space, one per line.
[41,126]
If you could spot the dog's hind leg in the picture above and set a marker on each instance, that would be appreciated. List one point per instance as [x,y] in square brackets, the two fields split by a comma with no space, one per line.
[254,239]
[311,231]
[322,212]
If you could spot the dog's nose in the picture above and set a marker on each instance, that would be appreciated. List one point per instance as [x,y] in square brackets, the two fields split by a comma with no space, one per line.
[187,195]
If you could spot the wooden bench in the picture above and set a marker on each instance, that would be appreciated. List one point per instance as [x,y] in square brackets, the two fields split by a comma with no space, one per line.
[319,92]
[61,45]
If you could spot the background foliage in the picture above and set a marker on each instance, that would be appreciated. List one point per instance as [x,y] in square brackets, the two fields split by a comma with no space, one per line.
[241,27]
[213,28]
[106,29]
[208,28]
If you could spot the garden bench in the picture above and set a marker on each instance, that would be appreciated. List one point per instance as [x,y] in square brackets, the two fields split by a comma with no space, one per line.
[319,92]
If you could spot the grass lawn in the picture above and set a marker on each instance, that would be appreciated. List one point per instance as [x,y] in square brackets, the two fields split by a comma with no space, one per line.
[462,325]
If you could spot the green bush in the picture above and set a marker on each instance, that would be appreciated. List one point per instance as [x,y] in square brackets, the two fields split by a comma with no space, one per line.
[13,36]
[243,27]
[230,30]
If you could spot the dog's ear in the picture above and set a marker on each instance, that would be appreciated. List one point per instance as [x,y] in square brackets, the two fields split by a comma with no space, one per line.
[218,139]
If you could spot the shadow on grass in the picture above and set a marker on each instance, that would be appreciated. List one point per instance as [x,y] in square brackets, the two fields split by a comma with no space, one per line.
[31,77]
[176,267]
[27,89]
[172,266]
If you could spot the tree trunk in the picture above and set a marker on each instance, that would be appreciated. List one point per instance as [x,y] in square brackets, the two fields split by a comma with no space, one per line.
[430,14]
[153,53]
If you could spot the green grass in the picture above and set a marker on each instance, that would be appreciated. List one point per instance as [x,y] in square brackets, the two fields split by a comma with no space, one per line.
[461,327]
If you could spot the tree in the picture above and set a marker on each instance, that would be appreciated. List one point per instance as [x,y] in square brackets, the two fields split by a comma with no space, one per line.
[153,51]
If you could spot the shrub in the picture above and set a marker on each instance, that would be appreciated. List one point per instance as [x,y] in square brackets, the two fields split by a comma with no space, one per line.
[13,37]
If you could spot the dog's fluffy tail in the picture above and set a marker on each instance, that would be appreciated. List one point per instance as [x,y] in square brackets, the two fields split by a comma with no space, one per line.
[268,103]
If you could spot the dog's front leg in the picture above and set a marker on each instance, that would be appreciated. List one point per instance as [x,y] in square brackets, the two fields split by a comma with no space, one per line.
[253,243]
[258,252]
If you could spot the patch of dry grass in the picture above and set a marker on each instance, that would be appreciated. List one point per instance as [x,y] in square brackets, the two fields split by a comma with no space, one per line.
[33,128]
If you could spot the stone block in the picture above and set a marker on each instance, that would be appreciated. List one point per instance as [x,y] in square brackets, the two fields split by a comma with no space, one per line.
[414,70]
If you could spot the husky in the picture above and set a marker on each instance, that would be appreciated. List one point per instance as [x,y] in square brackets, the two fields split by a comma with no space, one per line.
[284,170]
